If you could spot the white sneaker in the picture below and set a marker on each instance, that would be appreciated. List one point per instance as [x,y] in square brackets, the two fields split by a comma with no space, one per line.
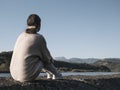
[49,76]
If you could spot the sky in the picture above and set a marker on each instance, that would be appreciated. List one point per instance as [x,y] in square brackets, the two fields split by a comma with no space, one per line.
[72,28]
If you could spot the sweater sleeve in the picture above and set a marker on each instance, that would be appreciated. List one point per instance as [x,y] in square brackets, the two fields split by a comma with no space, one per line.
[46,56]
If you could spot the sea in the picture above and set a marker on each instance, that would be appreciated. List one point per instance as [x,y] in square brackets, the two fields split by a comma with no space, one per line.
[71,73]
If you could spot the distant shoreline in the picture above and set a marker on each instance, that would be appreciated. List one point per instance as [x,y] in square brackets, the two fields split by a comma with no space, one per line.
[4,71]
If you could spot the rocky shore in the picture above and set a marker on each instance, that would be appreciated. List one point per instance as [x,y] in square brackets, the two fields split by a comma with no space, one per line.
[107,82]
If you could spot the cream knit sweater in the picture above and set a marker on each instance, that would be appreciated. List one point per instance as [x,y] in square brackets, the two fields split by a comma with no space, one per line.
[29,51]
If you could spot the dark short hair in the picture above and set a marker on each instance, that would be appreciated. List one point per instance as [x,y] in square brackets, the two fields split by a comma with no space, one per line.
[33,20]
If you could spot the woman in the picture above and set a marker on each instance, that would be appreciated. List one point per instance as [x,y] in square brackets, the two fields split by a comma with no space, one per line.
[31,55]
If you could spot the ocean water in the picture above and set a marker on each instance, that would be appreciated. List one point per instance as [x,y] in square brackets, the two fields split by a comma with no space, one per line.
[71,73]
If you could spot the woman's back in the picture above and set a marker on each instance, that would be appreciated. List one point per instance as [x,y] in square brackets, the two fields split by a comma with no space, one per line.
[26,55]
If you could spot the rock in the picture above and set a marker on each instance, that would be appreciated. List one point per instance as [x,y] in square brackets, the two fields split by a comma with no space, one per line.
[109,82]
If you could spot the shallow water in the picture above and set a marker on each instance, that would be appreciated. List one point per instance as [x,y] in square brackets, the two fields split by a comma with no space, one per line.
[90,73]
[71,73]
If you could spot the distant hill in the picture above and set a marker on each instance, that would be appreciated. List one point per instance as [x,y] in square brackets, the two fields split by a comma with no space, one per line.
[5,58]
[77,60]
[80,67]
[72,64]
[87,60]
[61,59]
[112,63]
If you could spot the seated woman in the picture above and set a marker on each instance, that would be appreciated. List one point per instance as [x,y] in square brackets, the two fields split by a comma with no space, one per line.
[31,55]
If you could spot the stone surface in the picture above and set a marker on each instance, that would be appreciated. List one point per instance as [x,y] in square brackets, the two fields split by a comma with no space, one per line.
[109,82]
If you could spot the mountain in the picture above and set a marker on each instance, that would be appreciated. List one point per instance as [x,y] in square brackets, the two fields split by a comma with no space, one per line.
[112,63]
[86,64]
[77,60]
[5,58]
[87,60]
[61,59]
